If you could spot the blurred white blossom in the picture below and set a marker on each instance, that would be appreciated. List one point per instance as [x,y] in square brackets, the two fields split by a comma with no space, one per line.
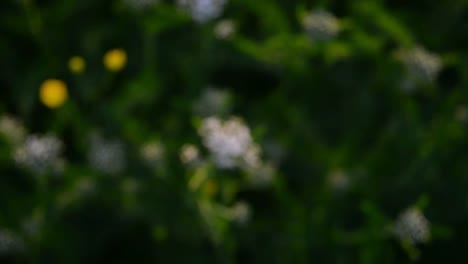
[10,243]
[152,152]
[412,226]
[189,154]
[212,102]
[12,129]
[107,156]
[321,25]
[225,29]
[240,213]
[421,65]
[339,181]
[229,142]
[203,10]
[251,158]
[40,154]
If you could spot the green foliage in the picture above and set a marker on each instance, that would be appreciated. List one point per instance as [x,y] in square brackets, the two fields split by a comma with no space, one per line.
[273,131]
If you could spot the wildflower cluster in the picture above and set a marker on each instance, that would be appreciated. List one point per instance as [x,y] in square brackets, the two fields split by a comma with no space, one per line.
[203,11]
[321,25]
[106,156]
[412,226]
[229,142]
[40,154]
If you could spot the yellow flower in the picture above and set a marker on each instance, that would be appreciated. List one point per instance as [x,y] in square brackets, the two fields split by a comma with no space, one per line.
[115,59]
[76,64]
[53,93]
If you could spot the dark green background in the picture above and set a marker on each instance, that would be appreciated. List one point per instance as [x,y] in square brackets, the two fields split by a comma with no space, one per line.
[330,105]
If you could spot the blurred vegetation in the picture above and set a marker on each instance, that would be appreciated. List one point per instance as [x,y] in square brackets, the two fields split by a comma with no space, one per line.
[121,122]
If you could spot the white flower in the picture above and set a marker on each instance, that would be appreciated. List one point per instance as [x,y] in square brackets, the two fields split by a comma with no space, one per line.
[240,213]
[421,65]
[339,181]
[189,154]
[40,154]
[251,159]
[228,141]
[203,10]
[107,156]
[12,129]
[224,29]
[152,152]
[10,243]
[412,226]
[212,102]
[321,25]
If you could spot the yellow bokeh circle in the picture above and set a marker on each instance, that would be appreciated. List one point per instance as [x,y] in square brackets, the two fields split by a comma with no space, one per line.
[77,64]
[53,93]
[115,59]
